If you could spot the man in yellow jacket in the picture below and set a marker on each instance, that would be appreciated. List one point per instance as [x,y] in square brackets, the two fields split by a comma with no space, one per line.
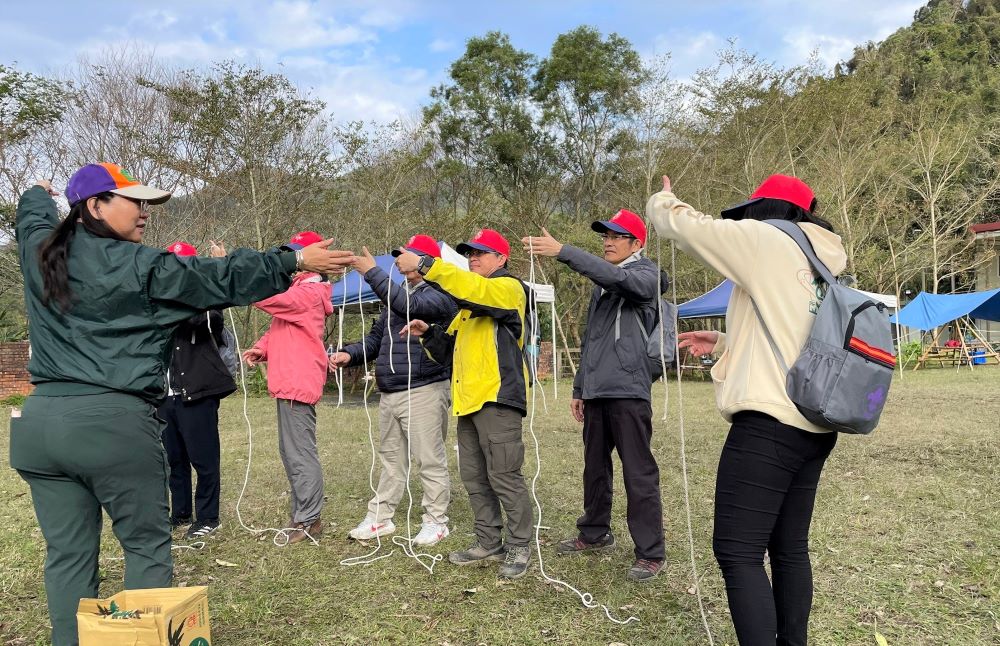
[489,392]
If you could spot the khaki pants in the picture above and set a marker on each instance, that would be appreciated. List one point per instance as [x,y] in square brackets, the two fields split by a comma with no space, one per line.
[490,455]
[421,418]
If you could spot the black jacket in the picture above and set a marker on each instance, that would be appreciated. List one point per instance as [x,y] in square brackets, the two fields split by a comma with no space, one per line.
[610,368]
[426,304]
[196,368]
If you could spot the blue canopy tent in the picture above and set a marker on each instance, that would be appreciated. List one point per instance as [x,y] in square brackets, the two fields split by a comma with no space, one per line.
[356,290]
[928,311]
[709,304]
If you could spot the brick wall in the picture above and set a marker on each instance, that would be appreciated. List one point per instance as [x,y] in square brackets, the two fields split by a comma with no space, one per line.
[14,378]
[545,359]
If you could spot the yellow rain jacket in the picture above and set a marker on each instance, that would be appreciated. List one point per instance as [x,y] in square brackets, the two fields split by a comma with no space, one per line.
[486,338]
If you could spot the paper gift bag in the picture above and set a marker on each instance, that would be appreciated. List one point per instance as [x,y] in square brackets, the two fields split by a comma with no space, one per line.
[151,617]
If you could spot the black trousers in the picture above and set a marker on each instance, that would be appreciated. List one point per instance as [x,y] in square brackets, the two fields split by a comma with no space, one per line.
[191,439]
[625,425]
[764,496]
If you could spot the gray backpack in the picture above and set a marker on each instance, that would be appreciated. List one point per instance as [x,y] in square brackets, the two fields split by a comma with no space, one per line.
[661,339]
[841,378]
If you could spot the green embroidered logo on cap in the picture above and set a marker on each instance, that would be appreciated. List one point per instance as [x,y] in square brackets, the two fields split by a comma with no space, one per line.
[128,175]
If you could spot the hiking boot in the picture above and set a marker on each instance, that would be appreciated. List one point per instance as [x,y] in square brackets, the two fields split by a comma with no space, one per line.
[369,529]
[179,522]
[305,531]
[476,553]
[578,545]
[431,533]
[200,530]
[644,570]
[516,563]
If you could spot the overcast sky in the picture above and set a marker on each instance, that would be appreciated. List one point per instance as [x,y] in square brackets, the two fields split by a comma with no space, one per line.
[377,60]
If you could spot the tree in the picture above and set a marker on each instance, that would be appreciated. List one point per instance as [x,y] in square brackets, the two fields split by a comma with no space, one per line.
[487,127]
[588,89]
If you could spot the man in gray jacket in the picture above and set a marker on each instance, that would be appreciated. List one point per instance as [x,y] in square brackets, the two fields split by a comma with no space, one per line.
[611,392]
[416,397]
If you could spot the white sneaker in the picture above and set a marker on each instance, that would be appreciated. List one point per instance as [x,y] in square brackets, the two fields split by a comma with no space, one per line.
[369,529]
[430,533]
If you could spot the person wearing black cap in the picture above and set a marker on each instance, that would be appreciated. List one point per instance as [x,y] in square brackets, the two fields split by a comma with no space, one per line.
[415,397]
[611,391]
[773,456]
[489,392]
[197,379]
[102,309]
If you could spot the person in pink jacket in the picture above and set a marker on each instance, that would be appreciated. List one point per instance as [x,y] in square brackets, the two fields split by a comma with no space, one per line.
[296,372]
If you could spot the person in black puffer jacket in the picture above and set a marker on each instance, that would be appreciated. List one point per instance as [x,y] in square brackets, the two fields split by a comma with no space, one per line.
[197,380]
[416,397]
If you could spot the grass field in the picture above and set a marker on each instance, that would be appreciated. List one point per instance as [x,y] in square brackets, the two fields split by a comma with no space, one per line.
[905,540]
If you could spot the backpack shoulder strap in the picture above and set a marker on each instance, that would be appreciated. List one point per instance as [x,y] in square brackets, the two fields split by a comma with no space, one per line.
[638,319]
[798,235]
[770,339]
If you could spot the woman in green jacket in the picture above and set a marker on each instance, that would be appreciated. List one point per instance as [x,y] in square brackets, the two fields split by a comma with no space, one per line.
[101,309]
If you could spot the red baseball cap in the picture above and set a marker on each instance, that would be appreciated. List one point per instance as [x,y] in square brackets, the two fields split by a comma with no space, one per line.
[777,187]
[303,239]
[182,249]
[485,240]
[421,244]
[623,222]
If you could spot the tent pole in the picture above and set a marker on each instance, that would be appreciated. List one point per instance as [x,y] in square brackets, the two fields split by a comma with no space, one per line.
[555,372]
[569,357]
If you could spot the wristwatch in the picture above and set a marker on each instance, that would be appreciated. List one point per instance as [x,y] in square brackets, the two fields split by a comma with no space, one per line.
[424,265]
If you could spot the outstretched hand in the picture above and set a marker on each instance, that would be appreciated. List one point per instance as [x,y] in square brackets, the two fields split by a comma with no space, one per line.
[253,356]
[543,245]
[318,258]
[216,249]
[365,262]
[416,327]
[666,184]
[338,360]
[47,185]
[407,261]
[698,343]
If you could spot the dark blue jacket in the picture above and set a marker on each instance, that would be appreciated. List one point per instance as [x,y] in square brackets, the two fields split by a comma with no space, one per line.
[427,304]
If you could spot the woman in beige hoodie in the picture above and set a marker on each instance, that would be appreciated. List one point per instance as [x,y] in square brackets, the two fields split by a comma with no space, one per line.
[772,459]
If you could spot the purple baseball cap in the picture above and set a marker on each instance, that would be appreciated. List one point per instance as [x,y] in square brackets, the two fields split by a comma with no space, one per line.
[94,179]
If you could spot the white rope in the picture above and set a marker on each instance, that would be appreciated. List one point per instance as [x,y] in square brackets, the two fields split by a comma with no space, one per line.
[196,546]
[407,543]
[680,416]
[370,557]
[586,598]
[281,534]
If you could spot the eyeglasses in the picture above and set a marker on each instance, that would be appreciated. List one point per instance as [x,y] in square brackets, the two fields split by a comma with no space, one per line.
[475,253]
[142,205]
[615,237]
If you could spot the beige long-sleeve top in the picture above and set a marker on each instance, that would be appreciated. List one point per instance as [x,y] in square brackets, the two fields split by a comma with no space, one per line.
[766,265]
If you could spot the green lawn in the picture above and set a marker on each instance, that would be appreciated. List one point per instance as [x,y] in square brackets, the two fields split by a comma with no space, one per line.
[906,539]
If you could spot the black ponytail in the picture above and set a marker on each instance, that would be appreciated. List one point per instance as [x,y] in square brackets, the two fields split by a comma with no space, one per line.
[55,251]
[775,209]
